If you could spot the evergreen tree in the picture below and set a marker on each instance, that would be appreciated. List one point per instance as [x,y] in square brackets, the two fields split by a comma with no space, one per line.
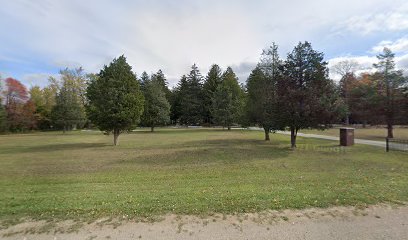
[227,101]
[259,106]
[176,98]
[156,107]
[262,100]
[68,112]
[212,81]
[162,81]
[191,98]
[144,80]
[307,97]
[391,83]
[115,100]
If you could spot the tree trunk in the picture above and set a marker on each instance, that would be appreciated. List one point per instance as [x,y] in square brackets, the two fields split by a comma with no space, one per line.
[293,134]
[151,129]
[390,131]
[64,129]
[229,128]
[266,134]
[347,119]
[116,137]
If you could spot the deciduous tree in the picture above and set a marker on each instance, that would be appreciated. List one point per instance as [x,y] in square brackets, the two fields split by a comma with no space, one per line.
[16,96]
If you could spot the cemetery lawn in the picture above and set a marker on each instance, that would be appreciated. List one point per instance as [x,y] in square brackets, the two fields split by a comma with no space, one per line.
[80,175]
[369,133]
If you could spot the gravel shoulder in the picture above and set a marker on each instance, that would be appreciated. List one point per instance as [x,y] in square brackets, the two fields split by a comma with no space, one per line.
[373,222]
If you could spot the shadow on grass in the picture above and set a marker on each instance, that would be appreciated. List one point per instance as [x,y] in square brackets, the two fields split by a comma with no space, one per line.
[179,130]
[229,151]
[53,147]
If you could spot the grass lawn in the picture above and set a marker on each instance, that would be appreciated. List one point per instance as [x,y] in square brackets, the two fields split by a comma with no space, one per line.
[378,134]
[199,171]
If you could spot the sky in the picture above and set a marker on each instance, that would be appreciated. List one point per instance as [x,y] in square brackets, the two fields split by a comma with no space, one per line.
[38,38]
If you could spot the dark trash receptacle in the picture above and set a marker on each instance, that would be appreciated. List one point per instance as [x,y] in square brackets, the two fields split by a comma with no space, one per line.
[346,137]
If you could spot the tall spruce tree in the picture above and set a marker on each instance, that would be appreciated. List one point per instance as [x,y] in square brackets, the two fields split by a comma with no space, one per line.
[144,80]
[227,101]
[262,100]
[259,98]
[69,109]
[308,98]
[156,107]
[68,112]
[115,100]
[161,80]
[391,82]
[176,98]
[212,81]
[191,98]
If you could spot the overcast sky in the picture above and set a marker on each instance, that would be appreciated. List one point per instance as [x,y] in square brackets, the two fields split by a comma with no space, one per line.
[37,38]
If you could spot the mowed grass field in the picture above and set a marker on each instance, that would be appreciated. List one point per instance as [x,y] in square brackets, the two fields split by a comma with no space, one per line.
[377,134]
[196,171]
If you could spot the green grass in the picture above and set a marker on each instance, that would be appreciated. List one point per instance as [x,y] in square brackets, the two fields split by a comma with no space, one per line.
[81,175]
[377,134]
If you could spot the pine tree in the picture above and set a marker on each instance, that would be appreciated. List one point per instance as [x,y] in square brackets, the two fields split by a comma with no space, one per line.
[162,81]
[176,98]
[307,97]
[191,98]
[156,107]
[115,100]
[392,82]
[144,80]
[262,100]
[212,81]
[228,100]
[68,112]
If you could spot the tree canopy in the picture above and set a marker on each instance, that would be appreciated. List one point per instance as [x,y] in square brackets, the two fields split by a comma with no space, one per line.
[227,100]
[307,97]
[156,107]
[115,101]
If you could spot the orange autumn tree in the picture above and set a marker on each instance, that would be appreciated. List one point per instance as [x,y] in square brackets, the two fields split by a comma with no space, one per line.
[20,111]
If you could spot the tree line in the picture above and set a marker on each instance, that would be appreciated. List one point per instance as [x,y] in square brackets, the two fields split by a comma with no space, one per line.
[280,94]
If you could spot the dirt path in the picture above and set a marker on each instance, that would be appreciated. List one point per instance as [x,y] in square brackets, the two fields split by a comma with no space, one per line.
[375,222]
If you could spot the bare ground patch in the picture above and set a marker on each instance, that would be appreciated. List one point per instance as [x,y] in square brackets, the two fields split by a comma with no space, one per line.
[372,222]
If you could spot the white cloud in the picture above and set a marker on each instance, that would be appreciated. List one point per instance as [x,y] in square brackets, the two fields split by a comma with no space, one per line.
[365,64]
[380,21]
[40,79]
[398,46]
[172,35]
